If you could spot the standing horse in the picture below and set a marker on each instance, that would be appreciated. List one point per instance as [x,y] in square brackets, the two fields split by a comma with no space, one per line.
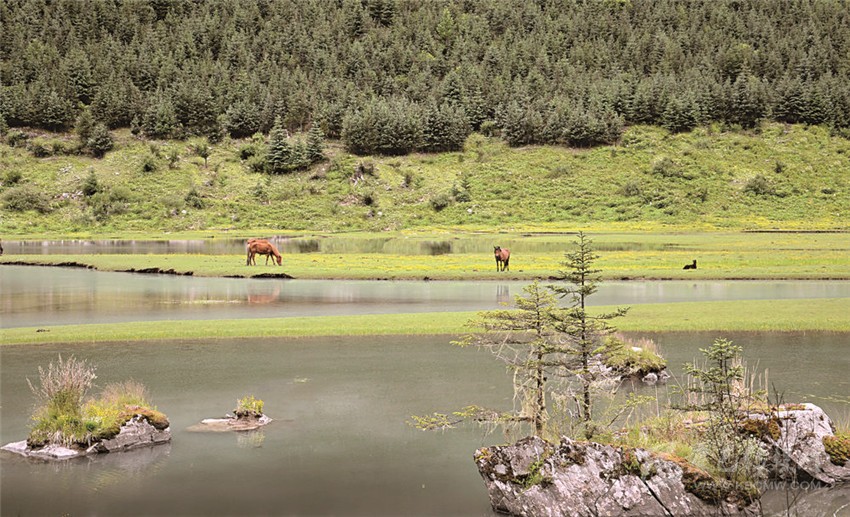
[503,258]
[262,247]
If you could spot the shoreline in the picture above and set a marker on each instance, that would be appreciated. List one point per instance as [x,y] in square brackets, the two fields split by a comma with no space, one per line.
[407,277]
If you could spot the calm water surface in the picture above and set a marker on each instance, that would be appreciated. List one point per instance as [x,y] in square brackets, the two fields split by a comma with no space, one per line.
[339,444]
[529,243]
[39,296]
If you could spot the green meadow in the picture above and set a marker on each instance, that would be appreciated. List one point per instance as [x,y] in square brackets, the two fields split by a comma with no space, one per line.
[621,256]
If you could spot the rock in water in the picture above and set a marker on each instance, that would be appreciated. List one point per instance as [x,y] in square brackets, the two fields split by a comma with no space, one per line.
[137,432]
[798,452]
[535,478]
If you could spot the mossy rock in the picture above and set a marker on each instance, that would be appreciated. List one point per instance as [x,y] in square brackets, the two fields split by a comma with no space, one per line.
[710,489]
[762,428]
[838,448]
[155,418]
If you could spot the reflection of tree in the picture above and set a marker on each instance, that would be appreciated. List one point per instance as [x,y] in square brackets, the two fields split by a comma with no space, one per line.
[250,439]
[437,247]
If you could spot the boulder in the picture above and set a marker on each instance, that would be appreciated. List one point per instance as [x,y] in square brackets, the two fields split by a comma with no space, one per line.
[534,477]
[795,435]
[248,422]
[137,432]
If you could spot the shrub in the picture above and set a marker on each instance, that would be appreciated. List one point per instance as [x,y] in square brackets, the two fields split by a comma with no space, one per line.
[249,406]
[39,148]
[440,201]
[149,164]
[106,204]
[173,156]
[13,177]
[631,188]
[26,197]
[16,138]
[193,198]
[760,186]
[90,185]
[666,168]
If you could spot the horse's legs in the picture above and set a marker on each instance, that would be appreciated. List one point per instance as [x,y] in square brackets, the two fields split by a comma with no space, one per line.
[507,264]
[250,256]
[497,263]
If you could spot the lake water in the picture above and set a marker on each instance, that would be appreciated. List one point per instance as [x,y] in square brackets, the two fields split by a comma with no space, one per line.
[39,296]
[403,245]
[340,444]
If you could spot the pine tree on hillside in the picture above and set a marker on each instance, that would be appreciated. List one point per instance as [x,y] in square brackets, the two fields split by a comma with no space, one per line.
[281,153]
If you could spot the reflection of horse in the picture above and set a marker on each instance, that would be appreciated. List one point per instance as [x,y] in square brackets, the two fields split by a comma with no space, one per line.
[503,294]
[264,292]
[503,258]
[691,266]
[262,247]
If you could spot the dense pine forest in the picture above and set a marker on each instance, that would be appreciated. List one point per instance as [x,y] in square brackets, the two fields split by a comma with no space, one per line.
[395,76]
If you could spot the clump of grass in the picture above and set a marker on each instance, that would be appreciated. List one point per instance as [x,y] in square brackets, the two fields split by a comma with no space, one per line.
[249,406]
[63,418]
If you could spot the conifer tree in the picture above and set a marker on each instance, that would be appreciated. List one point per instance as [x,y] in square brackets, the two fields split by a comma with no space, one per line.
[99,141]
[315,149]
[281,153]
[583,331]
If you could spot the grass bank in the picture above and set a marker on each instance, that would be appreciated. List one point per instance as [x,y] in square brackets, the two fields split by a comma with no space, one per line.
[777,176]
[820,314]
[727,255]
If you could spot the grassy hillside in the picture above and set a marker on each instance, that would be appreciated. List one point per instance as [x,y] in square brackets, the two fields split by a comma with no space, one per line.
[782,176]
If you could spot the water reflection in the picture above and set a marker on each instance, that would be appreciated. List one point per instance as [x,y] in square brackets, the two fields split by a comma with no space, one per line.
[328,244]
[39,296]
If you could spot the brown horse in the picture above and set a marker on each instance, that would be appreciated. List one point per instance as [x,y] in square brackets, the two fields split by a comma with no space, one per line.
[262,247]
[503,258]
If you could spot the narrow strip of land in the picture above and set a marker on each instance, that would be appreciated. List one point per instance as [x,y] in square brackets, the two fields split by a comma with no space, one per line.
[818,314]
[763,263]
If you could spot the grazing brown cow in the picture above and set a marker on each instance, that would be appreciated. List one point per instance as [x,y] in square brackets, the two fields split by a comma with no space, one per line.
[262,247]
[691,266]
[503,258]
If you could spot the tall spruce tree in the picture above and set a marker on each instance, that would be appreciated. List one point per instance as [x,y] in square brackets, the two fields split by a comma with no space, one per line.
[583,331]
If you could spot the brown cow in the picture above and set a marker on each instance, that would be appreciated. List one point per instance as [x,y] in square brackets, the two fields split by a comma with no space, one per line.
[262,247]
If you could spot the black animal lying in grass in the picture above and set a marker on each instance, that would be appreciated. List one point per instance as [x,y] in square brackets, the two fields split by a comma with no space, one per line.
[691,266]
